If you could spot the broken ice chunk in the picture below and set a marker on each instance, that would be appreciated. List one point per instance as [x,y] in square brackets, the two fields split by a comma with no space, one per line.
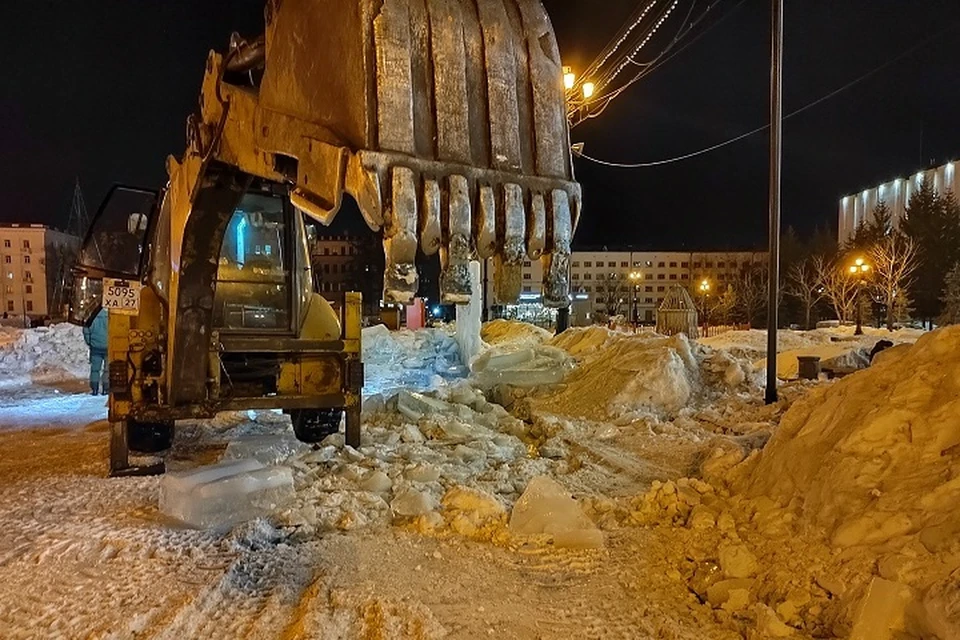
[377,482]
[546,508]
[882,612]
[416,405]
[411,503]
[225,493]
[268,449]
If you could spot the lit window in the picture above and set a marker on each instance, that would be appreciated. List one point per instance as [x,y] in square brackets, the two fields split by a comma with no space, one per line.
[268,250]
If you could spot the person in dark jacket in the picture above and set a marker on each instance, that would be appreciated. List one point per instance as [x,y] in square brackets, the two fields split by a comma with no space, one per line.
[96,338]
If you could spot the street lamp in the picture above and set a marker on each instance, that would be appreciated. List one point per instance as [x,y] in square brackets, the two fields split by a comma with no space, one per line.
[588,90]
[635,278]
[569,78]
[704,292]
[859,269]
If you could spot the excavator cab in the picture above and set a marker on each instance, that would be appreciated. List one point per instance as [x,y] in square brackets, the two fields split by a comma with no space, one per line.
[275,342]
[444,120]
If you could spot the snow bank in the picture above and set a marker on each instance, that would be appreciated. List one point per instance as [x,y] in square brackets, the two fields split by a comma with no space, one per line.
[874,462]
[501,332]
[42,355]
[625,374]
[837,344]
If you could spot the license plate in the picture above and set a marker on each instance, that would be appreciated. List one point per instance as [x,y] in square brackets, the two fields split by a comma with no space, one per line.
[121,296]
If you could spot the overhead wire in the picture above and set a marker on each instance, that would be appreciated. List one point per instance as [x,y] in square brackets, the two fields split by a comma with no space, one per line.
[600,103]
[806,107]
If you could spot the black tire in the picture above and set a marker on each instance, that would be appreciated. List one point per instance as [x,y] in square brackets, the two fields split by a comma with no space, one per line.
[149,437]
[313,425]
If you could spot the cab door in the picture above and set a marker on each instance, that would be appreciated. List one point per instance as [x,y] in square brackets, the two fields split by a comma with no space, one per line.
[113,247]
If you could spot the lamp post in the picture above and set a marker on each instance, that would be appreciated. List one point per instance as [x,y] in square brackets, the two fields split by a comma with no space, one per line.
[704,292]
[635,277]
[859,269]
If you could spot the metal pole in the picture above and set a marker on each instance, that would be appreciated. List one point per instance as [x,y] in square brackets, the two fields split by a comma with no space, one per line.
[776,132]
[859,330]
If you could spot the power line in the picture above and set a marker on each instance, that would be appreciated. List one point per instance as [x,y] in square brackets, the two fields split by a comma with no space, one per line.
[872,72]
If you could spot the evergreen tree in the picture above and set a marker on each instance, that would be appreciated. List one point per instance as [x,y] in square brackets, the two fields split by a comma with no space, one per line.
[933,223]
[951,297]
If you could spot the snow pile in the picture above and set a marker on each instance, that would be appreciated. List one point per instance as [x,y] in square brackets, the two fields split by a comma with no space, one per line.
[874,463]
[524,367]
[500,332]
[438,462]
[643,374]
[421,359]
[43,355]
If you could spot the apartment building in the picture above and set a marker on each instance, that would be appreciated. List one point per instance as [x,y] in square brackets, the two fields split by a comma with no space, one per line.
[634,283]
[34,260]
[858,208]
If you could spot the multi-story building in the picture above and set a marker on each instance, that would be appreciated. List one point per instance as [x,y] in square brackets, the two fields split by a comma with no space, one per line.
[34,260]
[858,207]
[347,263]
[634,283]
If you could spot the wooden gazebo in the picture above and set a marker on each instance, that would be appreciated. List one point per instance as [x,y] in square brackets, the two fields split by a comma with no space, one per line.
[677,314]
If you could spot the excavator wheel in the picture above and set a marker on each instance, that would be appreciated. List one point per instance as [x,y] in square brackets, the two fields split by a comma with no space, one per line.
[313,425]
[149,437]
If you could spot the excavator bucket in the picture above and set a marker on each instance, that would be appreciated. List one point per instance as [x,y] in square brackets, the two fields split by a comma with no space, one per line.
[444,119]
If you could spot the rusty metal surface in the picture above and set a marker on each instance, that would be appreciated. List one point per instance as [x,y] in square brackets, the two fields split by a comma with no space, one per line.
[444,119]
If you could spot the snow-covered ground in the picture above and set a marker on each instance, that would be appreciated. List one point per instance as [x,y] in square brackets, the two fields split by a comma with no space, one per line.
[845,518]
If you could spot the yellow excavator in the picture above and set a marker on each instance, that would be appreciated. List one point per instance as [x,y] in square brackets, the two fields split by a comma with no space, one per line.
[443,119]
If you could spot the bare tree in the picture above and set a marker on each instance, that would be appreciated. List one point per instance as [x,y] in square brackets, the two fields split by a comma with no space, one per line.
[838,288]
[613,298]
[750,291]
[723,306]
[894,260]
[805,283]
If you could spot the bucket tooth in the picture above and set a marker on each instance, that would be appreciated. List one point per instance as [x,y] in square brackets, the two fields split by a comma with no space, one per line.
[430,217]
[556,264]
[400,239]
[508,261]
[536,226]
[456,251]
[487,223]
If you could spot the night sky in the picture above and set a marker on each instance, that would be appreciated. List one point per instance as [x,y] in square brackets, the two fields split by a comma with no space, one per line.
[101,89]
